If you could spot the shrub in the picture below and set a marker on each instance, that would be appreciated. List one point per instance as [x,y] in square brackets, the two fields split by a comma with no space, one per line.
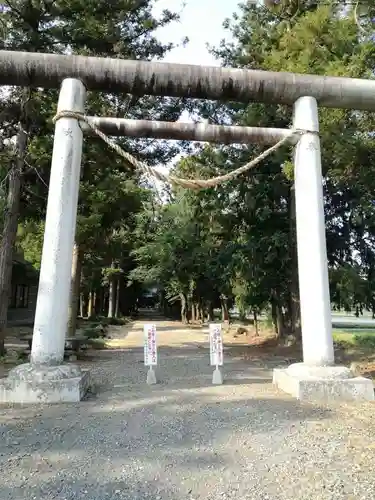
[95,332]
[98,344]
[365,341]
[114,321]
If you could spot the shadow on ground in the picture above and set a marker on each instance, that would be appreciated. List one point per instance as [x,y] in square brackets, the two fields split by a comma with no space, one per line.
[143,442]
[180,439]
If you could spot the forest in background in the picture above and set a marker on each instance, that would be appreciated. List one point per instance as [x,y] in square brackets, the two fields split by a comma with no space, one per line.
[234,244]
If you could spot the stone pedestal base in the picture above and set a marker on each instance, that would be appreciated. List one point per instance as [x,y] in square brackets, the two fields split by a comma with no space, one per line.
[151,376]
[326,384]
[32,384]
[217,377]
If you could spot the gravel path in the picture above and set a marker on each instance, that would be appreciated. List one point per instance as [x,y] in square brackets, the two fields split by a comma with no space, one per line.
[186,439]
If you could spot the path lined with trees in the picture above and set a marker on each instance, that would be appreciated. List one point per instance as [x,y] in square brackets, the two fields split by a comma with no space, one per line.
[184,437]
[230,245]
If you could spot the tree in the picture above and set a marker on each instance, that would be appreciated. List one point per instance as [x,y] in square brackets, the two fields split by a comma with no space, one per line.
[315,40]
[188,250]
[86,27]
[254,251]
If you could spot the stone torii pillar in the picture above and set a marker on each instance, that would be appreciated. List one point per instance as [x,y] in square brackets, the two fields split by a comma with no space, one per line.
[317,378]
[46,378]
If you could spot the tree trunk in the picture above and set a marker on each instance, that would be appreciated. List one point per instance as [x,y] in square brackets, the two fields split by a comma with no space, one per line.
[256,325]
[102,301]
[111,298]
[97,302]
[210,312]
[10,231]
[184,308]
[117,305]
[280,322]
[200,312]
[295,310]
[112,293]
[82,304]
[274,317]
[224,308]
[90,305]
[241,314]
[193,312]
[75,285]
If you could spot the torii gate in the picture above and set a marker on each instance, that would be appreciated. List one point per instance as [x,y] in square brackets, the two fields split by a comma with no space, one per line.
[46,378]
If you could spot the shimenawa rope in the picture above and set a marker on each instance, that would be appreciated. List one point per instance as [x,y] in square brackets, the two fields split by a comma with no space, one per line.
[185,183]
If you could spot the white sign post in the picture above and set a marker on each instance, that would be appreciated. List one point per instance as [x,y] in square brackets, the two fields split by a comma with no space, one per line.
[150,352]
[216,353]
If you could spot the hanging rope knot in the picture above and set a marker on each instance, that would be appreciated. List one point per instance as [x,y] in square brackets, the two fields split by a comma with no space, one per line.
[195,184]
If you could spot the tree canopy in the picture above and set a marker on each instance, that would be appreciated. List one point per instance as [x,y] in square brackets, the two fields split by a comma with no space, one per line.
[243,233]
[234,244]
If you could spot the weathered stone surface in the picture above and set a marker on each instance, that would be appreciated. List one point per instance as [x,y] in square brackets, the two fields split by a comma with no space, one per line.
[151,376]
[331,383]
[217,377]
[325,372]
[29,384]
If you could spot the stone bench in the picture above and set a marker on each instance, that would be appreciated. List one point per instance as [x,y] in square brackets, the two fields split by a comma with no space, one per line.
[74,344]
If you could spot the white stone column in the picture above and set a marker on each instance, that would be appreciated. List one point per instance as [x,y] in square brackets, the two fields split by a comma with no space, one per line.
[311,239]
[54,282]
[317,379]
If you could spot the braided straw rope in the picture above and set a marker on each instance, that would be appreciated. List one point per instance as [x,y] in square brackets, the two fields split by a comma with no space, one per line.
[185,183]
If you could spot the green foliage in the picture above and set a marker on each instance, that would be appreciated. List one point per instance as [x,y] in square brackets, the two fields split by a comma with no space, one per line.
[95,331]
[288,170]
[349,288]
[30,240]
[112,195]
[362,339]
[367,341]
[188,250]
[233,242]
[317,41]
[115,321]
[101,321]
[239,239]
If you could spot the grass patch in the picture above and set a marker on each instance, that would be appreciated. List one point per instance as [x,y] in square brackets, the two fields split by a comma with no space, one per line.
[99,344]
[94,331]
[119,343]
[97,328]
[13,357]
[101,320]
[352,326]
[364,338]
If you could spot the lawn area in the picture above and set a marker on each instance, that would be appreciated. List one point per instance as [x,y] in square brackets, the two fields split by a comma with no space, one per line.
[355,336]
[357,346]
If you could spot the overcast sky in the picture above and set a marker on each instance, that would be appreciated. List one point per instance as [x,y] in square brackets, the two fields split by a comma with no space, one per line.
[201,21]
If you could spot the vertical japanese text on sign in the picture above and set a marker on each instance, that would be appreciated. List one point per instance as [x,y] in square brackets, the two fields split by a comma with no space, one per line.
[150,349]
[216,345]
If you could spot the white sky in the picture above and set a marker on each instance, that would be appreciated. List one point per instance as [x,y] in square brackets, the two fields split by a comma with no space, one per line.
[201,21]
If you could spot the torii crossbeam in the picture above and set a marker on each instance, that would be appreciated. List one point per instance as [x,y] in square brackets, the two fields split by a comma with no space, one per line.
[184,80]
